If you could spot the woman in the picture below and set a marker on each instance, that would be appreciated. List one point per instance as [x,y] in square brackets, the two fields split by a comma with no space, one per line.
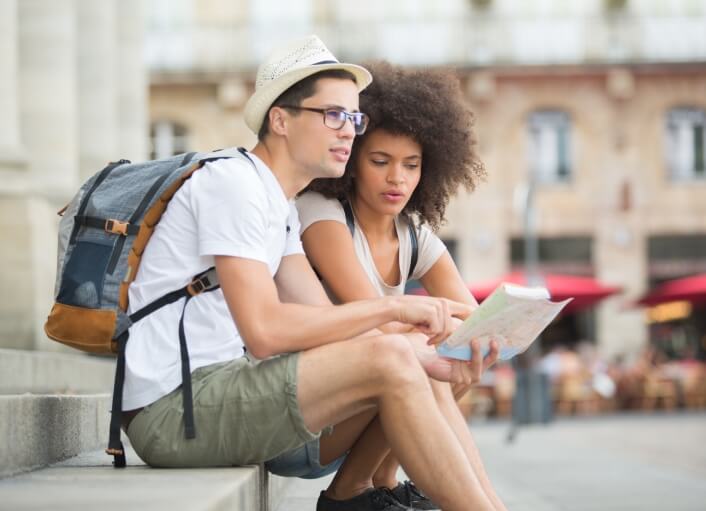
[418,149]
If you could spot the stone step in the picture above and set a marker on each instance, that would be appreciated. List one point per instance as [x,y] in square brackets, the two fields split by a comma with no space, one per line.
[51,448]
[54,373]
[37,430]
[88,481]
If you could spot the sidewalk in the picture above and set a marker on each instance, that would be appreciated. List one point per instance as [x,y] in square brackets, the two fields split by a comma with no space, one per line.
[629,462]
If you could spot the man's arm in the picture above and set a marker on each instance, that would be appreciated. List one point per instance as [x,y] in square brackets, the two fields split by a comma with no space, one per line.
[297,282]
[269,326]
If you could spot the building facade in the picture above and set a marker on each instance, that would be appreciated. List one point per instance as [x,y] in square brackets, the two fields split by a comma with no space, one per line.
[602,102]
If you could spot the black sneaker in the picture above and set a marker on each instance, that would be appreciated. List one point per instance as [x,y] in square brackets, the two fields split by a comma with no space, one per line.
[410,495]
[377,499]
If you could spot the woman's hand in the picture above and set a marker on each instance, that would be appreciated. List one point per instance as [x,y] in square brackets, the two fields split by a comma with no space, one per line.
[482,363]
[461,373]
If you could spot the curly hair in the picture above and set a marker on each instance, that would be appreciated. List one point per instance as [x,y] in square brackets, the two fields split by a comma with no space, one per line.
[427,106]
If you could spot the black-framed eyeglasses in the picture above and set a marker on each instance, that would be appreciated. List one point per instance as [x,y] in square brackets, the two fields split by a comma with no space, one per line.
[335,118]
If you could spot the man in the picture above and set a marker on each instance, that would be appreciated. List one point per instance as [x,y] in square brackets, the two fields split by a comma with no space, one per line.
[321,365]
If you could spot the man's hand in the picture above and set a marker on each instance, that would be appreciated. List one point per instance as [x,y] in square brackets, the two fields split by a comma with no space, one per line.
[432,316]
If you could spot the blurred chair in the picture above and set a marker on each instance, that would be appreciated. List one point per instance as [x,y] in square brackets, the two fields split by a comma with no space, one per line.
[693,386]
[503,391]
[657,390]
[573,393]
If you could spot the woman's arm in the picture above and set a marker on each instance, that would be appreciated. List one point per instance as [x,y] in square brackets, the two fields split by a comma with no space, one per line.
[329,246]
[444,280]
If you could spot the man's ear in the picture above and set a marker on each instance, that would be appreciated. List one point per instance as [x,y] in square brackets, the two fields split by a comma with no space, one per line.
[278,120]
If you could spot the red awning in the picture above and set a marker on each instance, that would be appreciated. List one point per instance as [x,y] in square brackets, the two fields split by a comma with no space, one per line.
[585,291]
[692,289]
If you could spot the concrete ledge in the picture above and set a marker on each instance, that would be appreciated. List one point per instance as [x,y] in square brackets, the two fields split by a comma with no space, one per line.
[54,373]
[36,431]
[89,482]
[277,488]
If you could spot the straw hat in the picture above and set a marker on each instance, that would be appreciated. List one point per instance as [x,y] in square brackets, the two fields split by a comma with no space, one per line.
[288,65]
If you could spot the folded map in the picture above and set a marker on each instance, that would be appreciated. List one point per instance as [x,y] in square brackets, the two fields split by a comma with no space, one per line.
[512,315]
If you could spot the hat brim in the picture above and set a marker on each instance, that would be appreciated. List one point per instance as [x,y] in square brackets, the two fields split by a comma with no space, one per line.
[260,102]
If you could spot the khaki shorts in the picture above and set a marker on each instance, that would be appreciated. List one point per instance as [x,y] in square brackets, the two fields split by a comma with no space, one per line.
[245,412]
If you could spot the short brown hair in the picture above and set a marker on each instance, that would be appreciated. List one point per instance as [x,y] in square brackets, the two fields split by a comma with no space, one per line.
[427,106]
[299,92]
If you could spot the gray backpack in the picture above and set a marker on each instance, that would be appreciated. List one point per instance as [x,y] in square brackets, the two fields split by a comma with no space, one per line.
[102,235]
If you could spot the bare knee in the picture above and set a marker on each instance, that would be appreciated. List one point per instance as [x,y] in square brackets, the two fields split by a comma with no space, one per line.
[395,364]
[389,349]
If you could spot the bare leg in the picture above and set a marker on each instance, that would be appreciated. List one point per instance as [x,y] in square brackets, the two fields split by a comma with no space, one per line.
[371,450]
[453,415]
[344,436]
[386,474]
[339,381]
[355,475]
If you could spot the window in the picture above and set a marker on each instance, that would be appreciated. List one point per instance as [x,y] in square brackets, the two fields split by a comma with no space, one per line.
[672,256]
[686,138]
[550,149]
[167,139]
[570,255]
[452,247]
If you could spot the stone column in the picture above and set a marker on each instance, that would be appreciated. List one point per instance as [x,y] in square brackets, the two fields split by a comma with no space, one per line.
[15,330]
[483,223]
[132,81]
[98,85]
[11,155]
[49,131]
[620,242]
[619,251]
[49,94]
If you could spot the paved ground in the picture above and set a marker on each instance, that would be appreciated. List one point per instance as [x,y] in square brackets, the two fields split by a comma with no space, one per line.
[619,463]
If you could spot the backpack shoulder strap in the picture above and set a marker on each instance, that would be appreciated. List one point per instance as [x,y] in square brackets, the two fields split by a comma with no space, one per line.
[244,152]
[187,158]
[201,283]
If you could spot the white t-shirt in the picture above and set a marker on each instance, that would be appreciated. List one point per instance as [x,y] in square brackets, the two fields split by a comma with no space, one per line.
[314,207]
[226,208]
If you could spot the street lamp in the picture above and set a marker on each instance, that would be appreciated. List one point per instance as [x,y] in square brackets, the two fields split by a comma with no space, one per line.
[531,403]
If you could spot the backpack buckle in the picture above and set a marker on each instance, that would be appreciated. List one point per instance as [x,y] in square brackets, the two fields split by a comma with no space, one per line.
[116,227]
[198,286]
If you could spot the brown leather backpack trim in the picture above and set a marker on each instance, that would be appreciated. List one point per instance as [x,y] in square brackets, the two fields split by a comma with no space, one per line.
[85,329]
